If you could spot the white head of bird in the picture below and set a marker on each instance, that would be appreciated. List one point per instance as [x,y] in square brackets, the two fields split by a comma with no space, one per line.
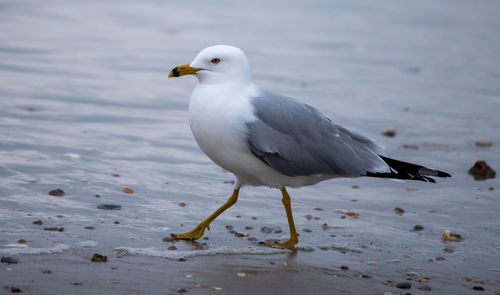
[217,64]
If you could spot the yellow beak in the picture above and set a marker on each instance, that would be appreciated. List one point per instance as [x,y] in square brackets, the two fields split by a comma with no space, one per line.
[183,70]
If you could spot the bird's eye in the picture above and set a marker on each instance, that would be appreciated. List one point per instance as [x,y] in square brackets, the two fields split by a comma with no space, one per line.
[215,60]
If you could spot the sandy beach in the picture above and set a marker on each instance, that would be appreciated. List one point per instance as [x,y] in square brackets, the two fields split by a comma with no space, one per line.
[86,108]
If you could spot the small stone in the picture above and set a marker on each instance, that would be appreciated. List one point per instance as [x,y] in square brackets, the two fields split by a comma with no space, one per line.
[15,289]
[318,209]
[182,204]
[97,196]
[229,181]
[109,207]
[363,276]
[253,239]
[425,288]
[449,249]
[394,261]
[478,288]
[172,248]
[229,227]
[116,222]
[57,192]
[440,258]
[89,227]
[217,288]
[39,222]
[21,241]
[417,228]
[355,186]
[389,132]
[344,267]
[116,175]
[84,180]
[47,271]
[482,171]
[127,190]
[181,290]
[307,230]
[99,258]
[403,285]
[60,229]
[168,239]
[411,189]
[241,274]
[325,226]
[451,237]
[399,211]
[9,260]
[316,218]
[484,143]
[308,217]
[248,227]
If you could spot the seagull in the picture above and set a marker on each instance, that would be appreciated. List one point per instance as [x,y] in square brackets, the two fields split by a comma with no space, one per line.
[266,139]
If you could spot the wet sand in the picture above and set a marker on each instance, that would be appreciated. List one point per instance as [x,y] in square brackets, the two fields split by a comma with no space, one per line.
[86,107]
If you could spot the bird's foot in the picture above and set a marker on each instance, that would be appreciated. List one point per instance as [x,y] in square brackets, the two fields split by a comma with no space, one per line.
[288,244]
[193,234]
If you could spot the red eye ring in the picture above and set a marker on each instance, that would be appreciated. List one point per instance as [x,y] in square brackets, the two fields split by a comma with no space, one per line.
[215,60]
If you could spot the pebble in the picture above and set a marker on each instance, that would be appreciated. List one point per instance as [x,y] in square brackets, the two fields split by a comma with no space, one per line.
[14,289]
[394,261]
[440,258]
[60,229]
[482,171]
[109,207]
[363,276]
[229,227]
[403,285]
[241,274]
[39,222]
[47,271]
[307,230]
[344,267]
[84,180]
[116,175]
[425,288]
[411,189]
[181,290]
[355,186]
[417,228]
[89,227]
[127,190]
[168,239]
[478,288]
[318,209]
[248,227]
[9,260]
[484,143]
[389,132]
[57,192]
[172,247]
[308,217]
[449,249]
[268,230]
[99,258]
[372,263]
[21,241]
[451,237]
[399,211]
[182,204]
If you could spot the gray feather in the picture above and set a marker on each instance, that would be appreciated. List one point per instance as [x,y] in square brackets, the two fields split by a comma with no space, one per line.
[297,140]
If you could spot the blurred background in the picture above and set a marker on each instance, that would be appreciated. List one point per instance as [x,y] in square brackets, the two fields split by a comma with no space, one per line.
[86,106]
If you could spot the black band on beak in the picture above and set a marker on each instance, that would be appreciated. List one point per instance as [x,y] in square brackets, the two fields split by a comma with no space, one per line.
[175,72]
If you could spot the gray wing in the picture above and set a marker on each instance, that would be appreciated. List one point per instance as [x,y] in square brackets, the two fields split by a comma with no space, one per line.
[297,140]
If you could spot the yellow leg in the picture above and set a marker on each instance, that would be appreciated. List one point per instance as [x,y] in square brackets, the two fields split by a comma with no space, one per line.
[294,236]
[198,231]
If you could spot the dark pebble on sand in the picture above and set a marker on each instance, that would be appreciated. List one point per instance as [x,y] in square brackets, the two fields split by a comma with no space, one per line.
[97,196]
[181,259]
[478,288]
[449,249]
[15,289]
[229,227]
[109,207]
[116,175]
[39,222]
[403,285]
[389,132]
[89,227]
[308,217]
[363,276]
[99,258]
[47,271]
[399,211]
[439,258]
[57,192]
[21,241]
[307,230]
[181,290]
[6,259]
[61,229]
[482,171]
[168,239]
[172,247]
[344,267]
[417,228]
[77,284]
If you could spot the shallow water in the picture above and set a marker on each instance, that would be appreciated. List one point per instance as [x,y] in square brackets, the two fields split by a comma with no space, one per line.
[84,94]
